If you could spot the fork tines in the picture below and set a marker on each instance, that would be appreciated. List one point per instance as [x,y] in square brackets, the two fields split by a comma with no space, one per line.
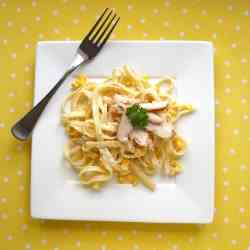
[103,28]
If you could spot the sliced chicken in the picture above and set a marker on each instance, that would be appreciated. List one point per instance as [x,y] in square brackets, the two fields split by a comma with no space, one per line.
[141,137]
[152,106]
[163,130]
[123,101]
[125,127]
[156,119]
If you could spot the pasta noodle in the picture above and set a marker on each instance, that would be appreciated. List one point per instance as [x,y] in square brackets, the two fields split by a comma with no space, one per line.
[103,145]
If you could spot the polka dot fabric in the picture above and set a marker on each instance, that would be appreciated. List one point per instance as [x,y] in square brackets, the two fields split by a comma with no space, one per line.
[225,23]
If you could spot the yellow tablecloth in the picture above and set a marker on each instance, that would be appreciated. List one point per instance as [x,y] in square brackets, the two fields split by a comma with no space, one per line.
[226,23]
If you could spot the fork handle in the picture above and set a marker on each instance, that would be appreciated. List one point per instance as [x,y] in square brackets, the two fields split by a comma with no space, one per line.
[24,127]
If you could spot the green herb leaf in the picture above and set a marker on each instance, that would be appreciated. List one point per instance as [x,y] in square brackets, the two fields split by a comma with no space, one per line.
[138,116]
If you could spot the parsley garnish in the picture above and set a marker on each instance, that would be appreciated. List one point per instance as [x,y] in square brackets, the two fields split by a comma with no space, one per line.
[137,116]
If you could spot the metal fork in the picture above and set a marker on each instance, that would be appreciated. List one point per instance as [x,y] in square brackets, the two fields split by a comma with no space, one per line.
[88,49]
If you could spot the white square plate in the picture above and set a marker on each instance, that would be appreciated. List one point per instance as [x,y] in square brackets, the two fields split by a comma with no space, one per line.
[190,199]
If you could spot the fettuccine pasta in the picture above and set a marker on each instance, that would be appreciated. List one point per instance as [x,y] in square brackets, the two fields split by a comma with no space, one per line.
[123,127]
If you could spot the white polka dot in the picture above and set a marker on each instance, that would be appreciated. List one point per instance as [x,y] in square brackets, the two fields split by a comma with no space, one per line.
[232,151]
[5,41]
[142,20]
[243,100]
[234,45]
[19,147]
[19,172]
[130,7]
[28,82]
[56,248]
[38,18]
[23,29]
[3,4]
[24,227]
[56,30]
[204,12]
[103,247]
[83,7]
[159,236]
[78,243]
[13,75]
[227,63]
[214,35]
[134,231]
[18,9]
[5,179]
[34,3]
[243,81]
[3,200]
[243,167]
[9,237]
[103,233]
[11,94]
[246,13]
[20,210]
[21,188]
[28,246]
[243,226]
[228,90]
[217,101]
[226,220]
[130,27]
[243,188]
[167,3]
[145,34]
[27,68]
[242,210]
[228,111]
[135,247]
[236,131]
[190,239]
[2,125]
[184,11]
[243,60]
[234,242]
[220,20]
[155,11]
[40,36]
[76,21]
[197,26]
[215,235]
[227,76]
[225,198]
[237,27]
[119,237]
[165,23]
[44,241]
[245,117]
[226,183]
[26,45]
[230,7]
[225,169]
[9,23]
[217,124]
[4,216]
[7,157]
[175,247]
[66,231]
[182,34]
[12,110]
[55,12]
[13,55]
